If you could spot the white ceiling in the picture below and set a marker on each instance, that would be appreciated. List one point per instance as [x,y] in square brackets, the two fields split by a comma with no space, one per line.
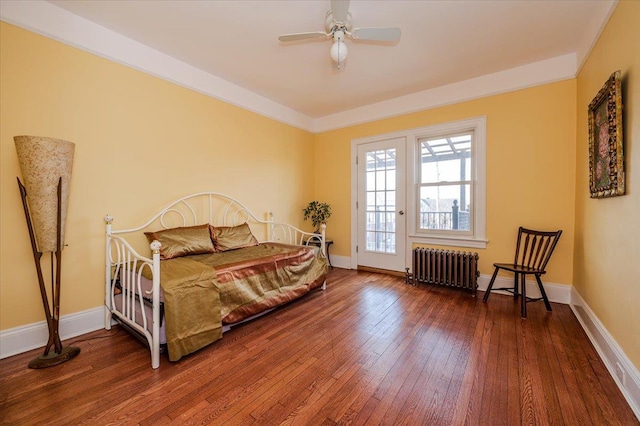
[443,43]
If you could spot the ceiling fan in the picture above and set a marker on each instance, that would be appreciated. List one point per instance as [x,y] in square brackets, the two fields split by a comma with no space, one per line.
[338,26]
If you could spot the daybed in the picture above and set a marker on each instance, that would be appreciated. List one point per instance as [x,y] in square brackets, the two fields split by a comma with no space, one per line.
[207,271]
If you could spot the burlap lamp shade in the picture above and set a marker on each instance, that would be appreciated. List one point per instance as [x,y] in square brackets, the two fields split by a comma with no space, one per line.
[43,161]
[46,170]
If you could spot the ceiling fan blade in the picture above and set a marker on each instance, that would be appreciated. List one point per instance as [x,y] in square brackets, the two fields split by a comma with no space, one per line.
[302,36]
[376,34]
[340,10]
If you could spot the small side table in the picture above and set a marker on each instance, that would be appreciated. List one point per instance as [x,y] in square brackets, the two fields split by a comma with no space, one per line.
[327,244]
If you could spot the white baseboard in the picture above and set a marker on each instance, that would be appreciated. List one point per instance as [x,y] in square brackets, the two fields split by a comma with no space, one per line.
[32,336]
[343,262]
[610,352]
[558,293]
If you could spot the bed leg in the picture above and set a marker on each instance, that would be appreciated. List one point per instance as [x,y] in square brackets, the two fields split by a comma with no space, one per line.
[107,319]
[155,356]
[324,285]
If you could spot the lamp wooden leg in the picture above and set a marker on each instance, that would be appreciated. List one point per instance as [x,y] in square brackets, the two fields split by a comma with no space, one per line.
[59,354]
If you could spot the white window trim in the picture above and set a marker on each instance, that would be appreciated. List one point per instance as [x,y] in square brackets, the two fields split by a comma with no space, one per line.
[478,240]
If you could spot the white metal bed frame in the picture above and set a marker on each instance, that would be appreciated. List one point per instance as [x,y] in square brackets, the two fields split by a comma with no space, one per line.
[124,265]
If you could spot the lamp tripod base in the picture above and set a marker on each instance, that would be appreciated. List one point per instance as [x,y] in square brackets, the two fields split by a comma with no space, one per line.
[51,308]
[54,358]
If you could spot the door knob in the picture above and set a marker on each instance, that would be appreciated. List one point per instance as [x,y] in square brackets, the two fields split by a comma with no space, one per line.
[401,212]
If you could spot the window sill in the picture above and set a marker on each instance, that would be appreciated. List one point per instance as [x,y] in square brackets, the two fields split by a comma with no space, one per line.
[449,241]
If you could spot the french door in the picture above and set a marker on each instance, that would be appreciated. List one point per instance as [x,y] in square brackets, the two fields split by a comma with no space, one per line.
[380,216]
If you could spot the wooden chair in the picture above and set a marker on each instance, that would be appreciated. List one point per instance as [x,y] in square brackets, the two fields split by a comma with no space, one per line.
[533,251]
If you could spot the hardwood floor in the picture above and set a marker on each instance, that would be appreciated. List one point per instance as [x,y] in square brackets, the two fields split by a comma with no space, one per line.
[370,350]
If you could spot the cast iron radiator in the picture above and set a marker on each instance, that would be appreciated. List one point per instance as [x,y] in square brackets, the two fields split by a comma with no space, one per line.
[444,267]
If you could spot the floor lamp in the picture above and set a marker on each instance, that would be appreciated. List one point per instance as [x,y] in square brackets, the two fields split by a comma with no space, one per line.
[46,168]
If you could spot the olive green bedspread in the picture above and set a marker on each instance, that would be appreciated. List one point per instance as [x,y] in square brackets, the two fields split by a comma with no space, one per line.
[202,292]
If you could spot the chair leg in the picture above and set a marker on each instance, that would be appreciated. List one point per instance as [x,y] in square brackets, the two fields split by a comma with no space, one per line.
[515,285]
[493,279]
[544,294]
[523,302]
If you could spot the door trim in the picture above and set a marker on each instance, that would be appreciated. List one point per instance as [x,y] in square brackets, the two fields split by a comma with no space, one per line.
[354,200]
[354,189]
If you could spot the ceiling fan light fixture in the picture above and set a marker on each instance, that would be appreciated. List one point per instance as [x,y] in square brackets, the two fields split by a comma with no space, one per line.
[339,51]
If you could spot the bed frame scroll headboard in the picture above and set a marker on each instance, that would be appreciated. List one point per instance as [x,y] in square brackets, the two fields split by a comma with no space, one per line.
[220,210]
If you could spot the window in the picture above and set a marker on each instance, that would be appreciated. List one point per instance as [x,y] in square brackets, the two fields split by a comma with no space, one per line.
[447,201]
[445,185]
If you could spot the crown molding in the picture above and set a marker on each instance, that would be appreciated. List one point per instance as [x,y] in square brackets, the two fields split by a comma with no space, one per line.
[53,22]
[593,31]
[58,24]
[534,74]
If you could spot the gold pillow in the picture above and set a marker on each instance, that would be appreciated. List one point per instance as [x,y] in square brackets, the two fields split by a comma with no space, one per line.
[232,237]
[183,241]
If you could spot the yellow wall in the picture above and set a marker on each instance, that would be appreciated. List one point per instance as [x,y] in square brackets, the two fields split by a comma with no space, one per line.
[141,142]
[134,130]
[530,169]
[607,243]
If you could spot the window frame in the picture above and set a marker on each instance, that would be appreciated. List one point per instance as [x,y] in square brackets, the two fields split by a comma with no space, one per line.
[476,237]
[420,184]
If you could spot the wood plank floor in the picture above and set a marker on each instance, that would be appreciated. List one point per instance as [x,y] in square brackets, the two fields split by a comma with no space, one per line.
[370,350]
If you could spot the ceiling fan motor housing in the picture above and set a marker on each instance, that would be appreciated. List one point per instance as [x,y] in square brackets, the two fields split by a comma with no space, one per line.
[331,25]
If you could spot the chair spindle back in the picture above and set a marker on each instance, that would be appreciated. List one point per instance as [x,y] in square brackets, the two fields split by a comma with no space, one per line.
[534,248]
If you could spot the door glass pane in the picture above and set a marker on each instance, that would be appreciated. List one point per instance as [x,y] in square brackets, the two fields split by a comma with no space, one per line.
[381,201]
[371,221]
[445,207]
[391,180]
[371,181]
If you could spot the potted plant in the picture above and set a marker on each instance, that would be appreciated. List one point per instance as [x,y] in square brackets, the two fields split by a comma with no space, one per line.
[318,213]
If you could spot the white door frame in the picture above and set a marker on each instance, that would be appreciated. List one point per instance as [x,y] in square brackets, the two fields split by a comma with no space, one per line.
[354,200]
[401,239]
